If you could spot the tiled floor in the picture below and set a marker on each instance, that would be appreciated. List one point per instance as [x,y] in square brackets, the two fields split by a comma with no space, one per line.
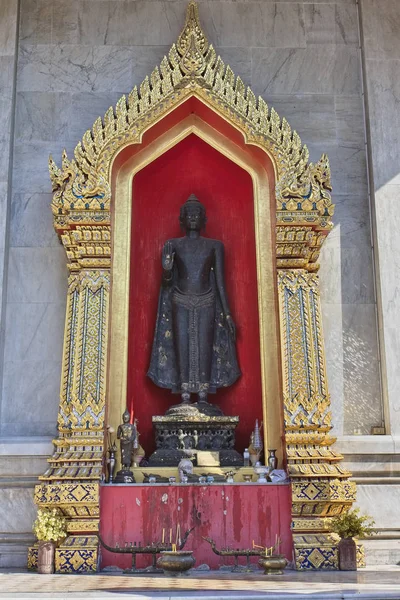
[366,584]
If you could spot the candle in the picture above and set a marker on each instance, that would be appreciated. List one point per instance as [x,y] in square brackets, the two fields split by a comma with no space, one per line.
[170,536]
[163,535]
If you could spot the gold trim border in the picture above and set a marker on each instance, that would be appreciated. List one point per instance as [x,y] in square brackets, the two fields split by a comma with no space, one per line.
[266,269]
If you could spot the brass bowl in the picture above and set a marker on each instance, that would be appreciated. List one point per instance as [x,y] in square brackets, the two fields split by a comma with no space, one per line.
[273,565]
[173,563]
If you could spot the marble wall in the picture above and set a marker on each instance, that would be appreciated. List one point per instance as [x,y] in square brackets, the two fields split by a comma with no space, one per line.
[381,26]
[8,58]
[75,59]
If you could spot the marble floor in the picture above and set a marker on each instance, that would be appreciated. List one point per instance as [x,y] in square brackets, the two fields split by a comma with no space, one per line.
[370,583]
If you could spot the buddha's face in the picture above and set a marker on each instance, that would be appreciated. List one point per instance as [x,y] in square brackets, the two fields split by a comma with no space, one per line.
[193,218]
[126,417]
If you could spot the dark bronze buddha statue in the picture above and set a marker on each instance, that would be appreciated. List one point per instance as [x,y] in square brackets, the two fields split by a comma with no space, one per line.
[194,342]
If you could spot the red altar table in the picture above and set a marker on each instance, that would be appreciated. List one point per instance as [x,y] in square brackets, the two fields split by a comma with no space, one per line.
[232,515]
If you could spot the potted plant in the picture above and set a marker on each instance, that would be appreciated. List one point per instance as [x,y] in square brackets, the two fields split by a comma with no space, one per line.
[348,526]
[49,528]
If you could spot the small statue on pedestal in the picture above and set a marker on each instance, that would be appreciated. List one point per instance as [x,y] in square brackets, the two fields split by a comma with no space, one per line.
[127,434]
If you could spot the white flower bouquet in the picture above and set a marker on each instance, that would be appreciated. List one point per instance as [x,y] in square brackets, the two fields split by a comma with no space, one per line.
[50,525]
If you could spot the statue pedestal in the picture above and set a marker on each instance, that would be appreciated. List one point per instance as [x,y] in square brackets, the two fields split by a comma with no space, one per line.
[176,435]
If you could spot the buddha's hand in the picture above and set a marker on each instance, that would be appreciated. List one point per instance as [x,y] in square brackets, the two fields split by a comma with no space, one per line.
[231,326]
[167,257]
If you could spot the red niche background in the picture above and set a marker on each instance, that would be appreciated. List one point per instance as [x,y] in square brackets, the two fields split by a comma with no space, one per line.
[226,190]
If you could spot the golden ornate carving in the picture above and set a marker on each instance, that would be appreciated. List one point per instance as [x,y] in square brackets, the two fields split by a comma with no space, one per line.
[77,554]
[191,69]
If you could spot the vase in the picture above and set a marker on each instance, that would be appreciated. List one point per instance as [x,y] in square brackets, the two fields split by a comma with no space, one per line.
[347,549]
[272,460]
[111,462]
[273,565]
[46,553]
[173,563]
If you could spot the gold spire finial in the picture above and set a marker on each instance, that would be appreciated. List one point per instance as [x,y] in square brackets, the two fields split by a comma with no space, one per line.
[192,43]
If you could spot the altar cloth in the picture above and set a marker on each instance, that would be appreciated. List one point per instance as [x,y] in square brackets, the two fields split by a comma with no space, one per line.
[233,515]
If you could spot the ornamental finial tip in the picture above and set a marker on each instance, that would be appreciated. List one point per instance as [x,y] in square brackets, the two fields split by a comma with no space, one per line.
[192,43]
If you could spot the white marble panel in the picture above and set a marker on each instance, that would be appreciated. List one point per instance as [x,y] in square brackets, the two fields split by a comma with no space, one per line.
[346,275]
[31,390]
[139,23]
[331,23]
[330,272]
[31,221]
[362,392]
[4,155]
[34,330]
[330,70]
[312,116]
[17,510]
[3,211]
[350,126]
[8,26]
[73,68]
[348,167]
[333,337]
[351,222]
[388,227]
[239,59]
[35,21]
[347,23]
[22,466]
[3,224]
[383,84]
[346,258]
[85,108]
[65,21]
[381,25]
[6,91]
[42,116]
[37,275]
[265,24]
[381,502]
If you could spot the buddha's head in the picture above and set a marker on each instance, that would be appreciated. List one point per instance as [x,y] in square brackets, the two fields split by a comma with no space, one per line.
[193,214]
[126,416]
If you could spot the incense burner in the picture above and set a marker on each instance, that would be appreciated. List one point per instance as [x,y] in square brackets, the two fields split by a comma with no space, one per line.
[273,565]
[176,562]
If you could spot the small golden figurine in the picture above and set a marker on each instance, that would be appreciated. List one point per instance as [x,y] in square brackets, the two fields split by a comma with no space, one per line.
[128,440]
[127,434]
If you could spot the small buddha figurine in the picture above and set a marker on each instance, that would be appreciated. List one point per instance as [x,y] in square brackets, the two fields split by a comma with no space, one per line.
[127,434]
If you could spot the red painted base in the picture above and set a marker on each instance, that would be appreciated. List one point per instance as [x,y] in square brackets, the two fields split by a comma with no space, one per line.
[232,515]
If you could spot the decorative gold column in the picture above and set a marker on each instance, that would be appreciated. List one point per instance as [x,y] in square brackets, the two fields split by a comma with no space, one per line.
[71,482]
[320,486]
